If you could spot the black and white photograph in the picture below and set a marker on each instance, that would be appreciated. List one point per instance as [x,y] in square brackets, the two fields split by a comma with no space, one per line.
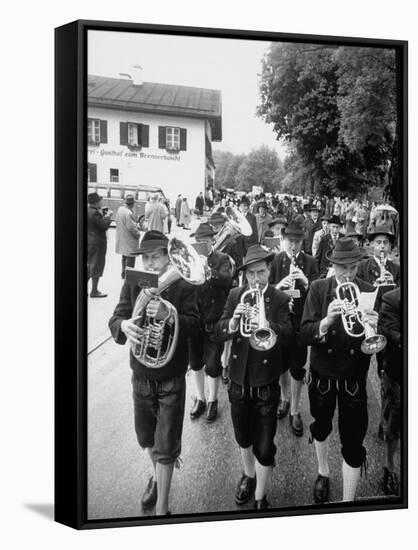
[245,226]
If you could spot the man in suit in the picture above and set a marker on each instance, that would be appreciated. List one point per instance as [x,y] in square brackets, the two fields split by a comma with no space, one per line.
[254,390]
[253,238]
[205,351]
[127,233]
[320,233]
[263,218]
[158,393]
[338,370]
[381,240]
[326,245]
[390,319]
[97,225]
[312,224]
[293,271]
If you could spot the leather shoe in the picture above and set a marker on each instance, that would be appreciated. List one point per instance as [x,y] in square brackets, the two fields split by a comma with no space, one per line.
[296,424]
[283,408]
[390,482]
[97,295]
[212,411]
[261,504]
[321,489]
[149,498]
[245,489]
[198,409]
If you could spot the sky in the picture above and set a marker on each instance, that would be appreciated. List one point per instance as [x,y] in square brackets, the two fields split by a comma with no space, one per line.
[229,65]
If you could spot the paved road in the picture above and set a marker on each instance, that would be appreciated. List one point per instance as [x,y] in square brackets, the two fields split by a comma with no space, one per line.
[118,469]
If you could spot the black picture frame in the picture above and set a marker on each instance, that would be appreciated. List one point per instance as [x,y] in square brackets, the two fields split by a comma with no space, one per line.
[70,260]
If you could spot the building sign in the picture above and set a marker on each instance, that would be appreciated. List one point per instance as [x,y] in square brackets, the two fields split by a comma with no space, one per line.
[99,151]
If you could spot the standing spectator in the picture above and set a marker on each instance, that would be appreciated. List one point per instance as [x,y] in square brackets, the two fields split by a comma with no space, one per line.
[199,204]
[168,219]
[263,219]
[97,225]
[155,214]
[177,208]
[361,220]
[127,233]
[312,225]
[185,215]
[319,234]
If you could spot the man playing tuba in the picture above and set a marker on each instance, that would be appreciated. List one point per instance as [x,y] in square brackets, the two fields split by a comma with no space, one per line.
[338,368]
[158,393]
[254,389]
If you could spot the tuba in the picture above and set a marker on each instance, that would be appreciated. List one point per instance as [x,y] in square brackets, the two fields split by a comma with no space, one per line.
[262,338]
[386,277]
[236,224]
[159,339]
[349,293]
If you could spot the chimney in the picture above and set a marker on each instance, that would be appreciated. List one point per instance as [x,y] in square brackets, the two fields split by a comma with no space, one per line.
[136,74]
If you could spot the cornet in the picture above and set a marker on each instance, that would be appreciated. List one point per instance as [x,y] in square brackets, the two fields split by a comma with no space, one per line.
[262,338]
[349,294]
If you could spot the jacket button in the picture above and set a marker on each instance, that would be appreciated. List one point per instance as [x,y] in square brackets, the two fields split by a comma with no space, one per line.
[352,352]
[329,351]
[267,299]
[333,332]
[265,361]
[238,340]
[224,330]
[234,356]
[212,301]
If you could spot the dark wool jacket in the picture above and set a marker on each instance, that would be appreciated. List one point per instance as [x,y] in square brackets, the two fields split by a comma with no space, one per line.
[280,267]
[336,355]
[257,368]
[390,326]
[182,296]
[97,225]
[211,296]
[310,229]
[325,245]
[369,270]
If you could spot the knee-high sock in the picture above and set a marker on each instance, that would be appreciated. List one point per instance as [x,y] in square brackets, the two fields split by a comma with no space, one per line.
[213,386]
[350,481]
[199,381]
[295,391]
[284,386]
[321,448]
[248,461]
[151,456]
[263,474]
[164,473]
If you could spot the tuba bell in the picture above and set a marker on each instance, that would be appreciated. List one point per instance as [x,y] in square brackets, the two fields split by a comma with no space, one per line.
[349,294]
[159,338]
[263,337]
[236,224]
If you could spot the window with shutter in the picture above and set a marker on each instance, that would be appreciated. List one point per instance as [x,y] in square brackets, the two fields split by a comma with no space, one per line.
[114,175]
[133,134]
[172,139]
[93,131]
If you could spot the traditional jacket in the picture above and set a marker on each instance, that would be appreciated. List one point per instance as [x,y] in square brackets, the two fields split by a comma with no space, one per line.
[310,229]
[335,355]
[390,326]
[182,296]
[246,365]
[369,270]
[280,268]
[212,295]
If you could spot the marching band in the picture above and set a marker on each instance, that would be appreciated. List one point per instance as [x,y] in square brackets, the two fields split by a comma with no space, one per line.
[276,299]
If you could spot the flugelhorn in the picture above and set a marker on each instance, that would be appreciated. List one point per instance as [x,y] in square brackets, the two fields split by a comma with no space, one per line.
[158,340]
[349,294]
[263,337]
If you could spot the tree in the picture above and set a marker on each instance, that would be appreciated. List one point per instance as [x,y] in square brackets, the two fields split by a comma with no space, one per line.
[227,165]
[335,106]
[261,167]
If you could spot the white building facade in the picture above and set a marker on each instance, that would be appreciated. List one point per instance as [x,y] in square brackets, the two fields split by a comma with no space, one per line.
[152,134]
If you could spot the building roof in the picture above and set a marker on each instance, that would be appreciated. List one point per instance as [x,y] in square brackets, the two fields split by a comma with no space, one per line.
[121,93]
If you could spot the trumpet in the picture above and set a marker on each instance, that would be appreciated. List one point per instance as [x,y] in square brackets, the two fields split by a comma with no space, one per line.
[386,277]
[159,338]
[263,337]
[349,294]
